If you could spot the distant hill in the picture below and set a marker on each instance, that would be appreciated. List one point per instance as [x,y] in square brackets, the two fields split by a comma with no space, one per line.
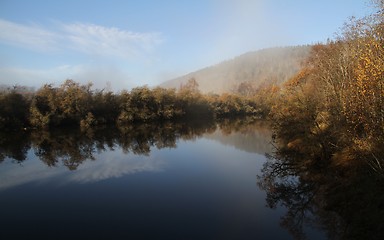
[268,65]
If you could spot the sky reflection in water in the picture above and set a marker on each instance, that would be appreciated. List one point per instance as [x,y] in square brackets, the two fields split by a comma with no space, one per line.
[204,188]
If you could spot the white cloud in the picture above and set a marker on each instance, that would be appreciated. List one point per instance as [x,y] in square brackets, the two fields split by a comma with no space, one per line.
[28,36]
[111,55]
[107,165]
[80,37]
[115,165]
[99,40]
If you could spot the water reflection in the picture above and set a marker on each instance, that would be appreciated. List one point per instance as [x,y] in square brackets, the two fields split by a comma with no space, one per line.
[14,146]
[164,181]
[72,147]
[244,135]
[104,153]
[344,203]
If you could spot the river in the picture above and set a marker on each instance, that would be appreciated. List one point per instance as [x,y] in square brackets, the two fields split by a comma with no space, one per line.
[164,181]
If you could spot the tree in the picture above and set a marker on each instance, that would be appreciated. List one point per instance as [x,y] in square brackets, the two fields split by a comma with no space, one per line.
[337,99]
[74,101]
[13,110]
[44,107]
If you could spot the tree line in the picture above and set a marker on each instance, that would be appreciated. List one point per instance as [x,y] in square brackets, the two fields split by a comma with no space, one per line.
[74,104]
[328,123]
[333,105]
[332,110]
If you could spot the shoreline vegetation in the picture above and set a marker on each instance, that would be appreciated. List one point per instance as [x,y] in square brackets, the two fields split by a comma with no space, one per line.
[333,105]
[327,123]
[332,111]
[76,105]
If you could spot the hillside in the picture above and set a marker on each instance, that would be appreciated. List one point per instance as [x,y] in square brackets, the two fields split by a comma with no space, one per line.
[267,65]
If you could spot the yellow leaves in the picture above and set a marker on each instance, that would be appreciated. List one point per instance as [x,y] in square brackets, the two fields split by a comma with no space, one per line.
[299,78]
[370,67]
[337,100]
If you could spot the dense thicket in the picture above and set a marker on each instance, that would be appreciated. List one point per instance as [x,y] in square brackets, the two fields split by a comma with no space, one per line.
[13,109]
[73,104]
[328,167]
[335,104]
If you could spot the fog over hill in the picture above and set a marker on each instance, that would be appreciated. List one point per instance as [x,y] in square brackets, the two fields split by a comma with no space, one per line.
[272,65]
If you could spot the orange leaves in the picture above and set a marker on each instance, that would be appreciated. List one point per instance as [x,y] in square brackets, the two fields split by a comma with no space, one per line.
[299,78]
[337,99]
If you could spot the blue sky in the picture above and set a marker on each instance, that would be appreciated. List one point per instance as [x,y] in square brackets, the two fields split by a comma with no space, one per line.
[126,43]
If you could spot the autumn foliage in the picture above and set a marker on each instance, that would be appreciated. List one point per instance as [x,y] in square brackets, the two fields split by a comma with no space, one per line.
[335,104]
[73,104]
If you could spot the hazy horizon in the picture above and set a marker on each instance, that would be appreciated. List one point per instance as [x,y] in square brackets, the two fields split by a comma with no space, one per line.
[127,44]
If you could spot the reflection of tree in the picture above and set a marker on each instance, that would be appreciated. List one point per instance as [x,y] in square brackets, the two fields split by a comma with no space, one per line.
[139,138]
[14,145]
[346,203]
[283,185]
[71,147]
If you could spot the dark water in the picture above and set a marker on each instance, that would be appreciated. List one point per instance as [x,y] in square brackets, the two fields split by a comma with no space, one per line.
[165,181]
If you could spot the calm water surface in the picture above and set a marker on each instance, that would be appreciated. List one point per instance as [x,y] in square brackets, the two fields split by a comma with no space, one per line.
[144,182]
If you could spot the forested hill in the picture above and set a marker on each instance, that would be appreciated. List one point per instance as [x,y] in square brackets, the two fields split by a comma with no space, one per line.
[272,65]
